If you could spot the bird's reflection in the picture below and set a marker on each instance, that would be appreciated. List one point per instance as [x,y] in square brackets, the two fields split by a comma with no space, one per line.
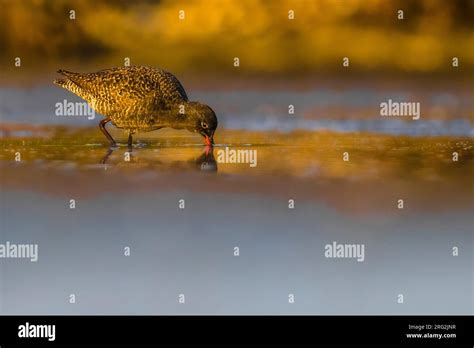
[110,150]
[206,162]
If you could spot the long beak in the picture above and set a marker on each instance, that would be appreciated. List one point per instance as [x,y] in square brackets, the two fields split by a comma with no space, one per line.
[209,141]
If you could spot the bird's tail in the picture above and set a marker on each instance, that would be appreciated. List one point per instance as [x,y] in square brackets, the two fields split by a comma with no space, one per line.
[66,73]
[60,82]
[69,83]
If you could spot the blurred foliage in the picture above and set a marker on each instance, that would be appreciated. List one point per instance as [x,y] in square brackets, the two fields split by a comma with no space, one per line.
[257,31]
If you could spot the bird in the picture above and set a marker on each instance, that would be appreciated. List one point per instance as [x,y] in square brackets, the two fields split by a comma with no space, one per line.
[140,99]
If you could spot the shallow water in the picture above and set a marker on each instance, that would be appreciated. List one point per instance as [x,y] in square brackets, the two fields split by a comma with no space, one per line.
[189,251]
[347,106]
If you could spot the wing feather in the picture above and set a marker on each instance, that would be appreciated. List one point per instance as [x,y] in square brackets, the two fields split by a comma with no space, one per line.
[128,89]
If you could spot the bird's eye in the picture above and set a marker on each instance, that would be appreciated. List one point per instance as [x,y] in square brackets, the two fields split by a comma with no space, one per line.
[204,125]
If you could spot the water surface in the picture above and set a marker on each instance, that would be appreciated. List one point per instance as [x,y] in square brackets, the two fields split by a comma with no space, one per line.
[191,251]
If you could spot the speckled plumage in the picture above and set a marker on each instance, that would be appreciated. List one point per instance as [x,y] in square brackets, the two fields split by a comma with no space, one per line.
[133,97]
[140,99]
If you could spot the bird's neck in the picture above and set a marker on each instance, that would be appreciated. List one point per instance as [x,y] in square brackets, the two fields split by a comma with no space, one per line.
[174,117]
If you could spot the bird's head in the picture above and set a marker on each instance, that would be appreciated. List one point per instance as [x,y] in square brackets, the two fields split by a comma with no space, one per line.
[202,119]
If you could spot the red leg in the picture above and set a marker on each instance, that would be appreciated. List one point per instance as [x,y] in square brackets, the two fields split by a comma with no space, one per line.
[104,131]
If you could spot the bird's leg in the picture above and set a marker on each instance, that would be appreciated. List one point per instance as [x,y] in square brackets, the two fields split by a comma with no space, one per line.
[104,131]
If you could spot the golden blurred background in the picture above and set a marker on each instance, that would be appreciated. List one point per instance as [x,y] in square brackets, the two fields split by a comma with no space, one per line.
[259,32]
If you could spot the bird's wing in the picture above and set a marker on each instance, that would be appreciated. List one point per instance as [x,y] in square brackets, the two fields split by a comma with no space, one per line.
[133,88]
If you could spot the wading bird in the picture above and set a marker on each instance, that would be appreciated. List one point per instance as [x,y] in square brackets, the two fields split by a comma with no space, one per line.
[140,99]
